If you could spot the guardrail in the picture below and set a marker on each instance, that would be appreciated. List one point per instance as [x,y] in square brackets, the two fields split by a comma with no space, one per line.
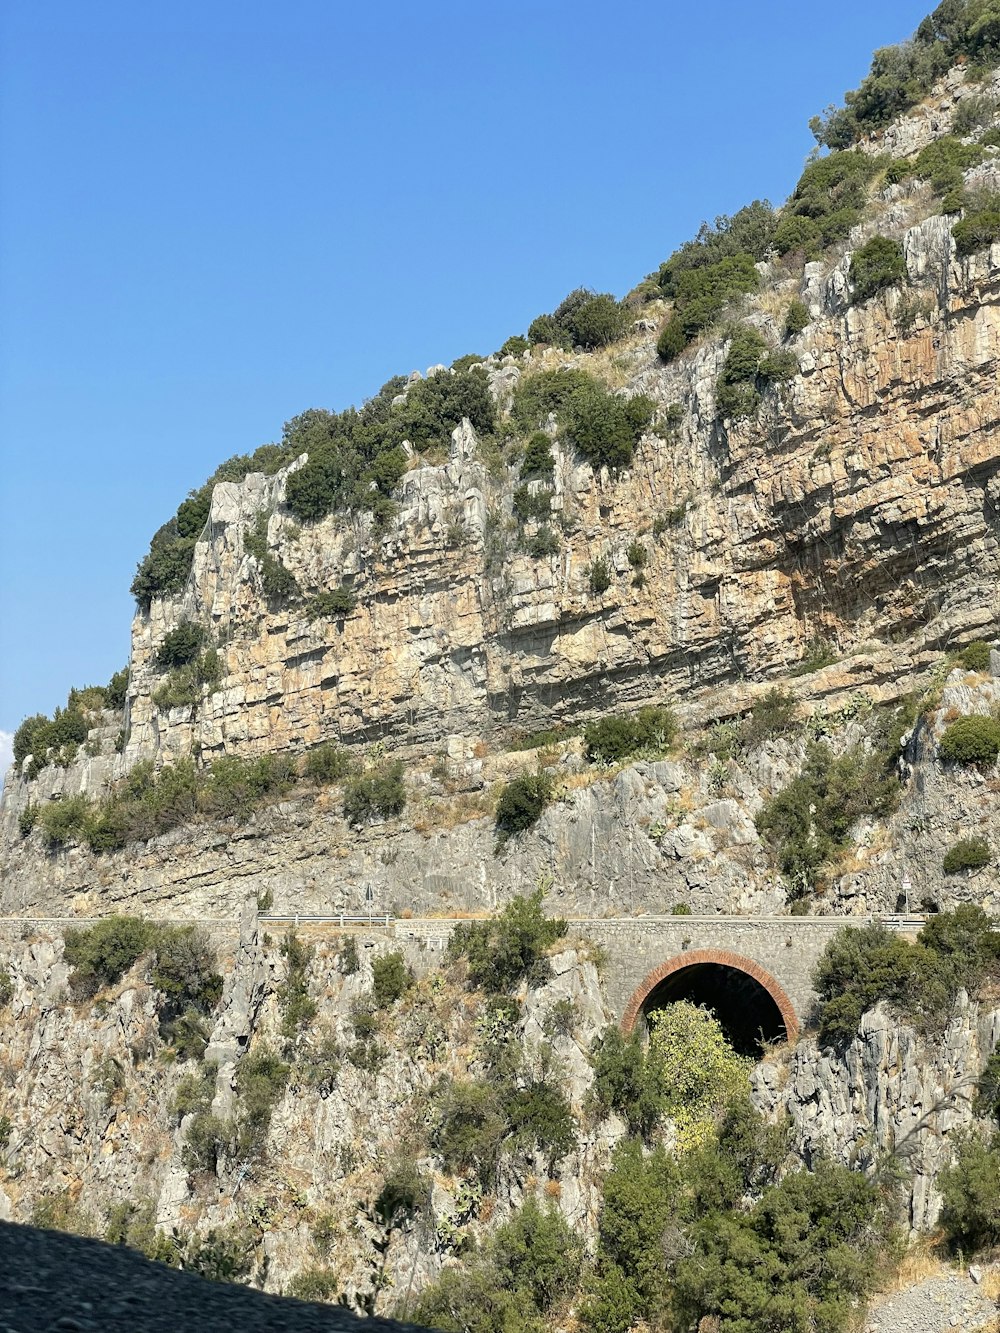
[339,919]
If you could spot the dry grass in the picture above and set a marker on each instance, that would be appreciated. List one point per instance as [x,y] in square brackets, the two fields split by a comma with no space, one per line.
[462,808]
[772,302]
[920,1262]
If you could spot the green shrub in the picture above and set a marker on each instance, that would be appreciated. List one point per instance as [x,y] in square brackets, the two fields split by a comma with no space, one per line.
[798,234]
[699,1072]
[970,1191]
[626,1081]
[808,822]
[972,113]
[235,787]
[596,322]
[971,740]
[966,854]
[819,653]
[332,605]
[543,543]
[975,656]
[184,971]
[521,803]
[991,139]
[537,461]
[613,739]
[67,821]
[470,1130]
[878,264]
[807,1253]
[171,552]
[631,1281]
[405,1191]
[599,575]
[637,555]
[298,1008]
[827,202]
[348,960]
[27,819]
[748,234]
[700,296]
[186,685]
[532,504]
[356,459]
[194,1092]
[528,1268]
[221,1254]
[942,162]
[206,1141]
[6,987]
[318,1063]
[516,345]
[547,331]
[391,978]
[313,1284]
[277,583]
[538,396]
[773,715]
[954,950]
[987,1102]
[977,230]
[260,1081]
[101,954]
[133,1223]
[165,569]
[380,794]
[605,428]
[778,367]
[584,318]
[511,947]
[327,763]
[796,318]
[736,392]
[540,1117]
[116,690]
[180,645]
[31,737]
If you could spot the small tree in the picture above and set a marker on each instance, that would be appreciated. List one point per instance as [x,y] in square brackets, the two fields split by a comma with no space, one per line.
[971,740]
[391,978]
[966,854]
[878,264]
[970,1188]
[700,1073]
[521,803]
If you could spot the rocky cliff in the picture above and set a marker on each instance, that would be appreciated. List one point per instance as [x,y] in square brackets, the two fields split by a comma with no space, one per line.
[840,542]
[857,509]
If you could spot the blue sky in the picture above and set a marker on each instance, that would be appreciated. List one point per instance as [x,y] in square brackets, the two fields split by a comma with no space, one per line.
[214,216]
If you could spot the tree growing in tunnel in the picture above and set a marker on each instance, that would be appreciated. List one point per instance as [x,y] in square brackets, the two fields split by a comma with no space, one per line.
[698,1071]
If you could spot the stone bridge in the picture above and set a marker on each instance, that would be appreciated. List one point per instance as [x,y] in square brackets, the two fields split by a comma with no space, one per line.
[755,972]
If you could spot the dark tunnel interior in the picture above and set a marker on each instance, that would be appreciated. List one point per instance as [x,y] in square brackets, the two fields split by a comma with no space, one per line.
[748,1013]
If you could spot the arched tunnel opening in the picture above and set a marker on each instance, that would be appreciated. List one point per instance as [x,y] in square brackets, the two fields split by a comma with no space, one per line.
[747,1011]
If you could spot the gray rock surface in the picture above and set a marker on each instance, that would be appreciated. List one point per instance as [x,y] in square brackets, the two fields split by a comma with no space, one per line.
[52,1282]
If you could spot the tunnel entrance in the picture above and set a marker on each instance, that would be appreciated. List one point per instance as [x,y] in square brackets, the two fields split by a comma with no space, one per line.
[751,1006]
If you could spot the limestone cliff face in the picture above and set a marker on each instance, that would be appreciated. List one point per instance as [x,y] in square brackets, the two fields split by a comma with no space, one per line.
[859,507]
[862,506]
[92,1120]
[890,1093]
[90,1108]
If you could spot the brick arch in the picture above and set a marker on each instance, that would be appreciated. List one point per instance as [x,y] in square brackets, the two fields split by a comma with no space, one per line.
[724,958]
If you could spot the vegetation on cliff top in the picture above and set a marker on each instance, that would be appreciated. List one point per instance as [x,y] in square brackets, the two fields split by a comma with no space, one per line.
[954,951]
[901,75]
